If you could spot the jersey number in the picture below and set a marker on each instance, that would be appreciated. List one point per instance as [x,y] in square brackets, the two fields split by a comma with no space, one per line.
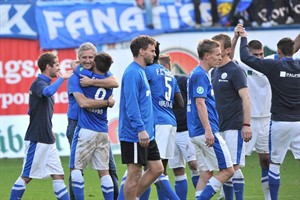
[100,94]
[168,93]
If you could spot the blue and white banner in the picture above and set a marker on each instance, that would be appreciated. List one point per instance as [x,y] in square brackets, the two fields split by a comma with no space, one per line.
[66,24]
[18,20]
[71,24]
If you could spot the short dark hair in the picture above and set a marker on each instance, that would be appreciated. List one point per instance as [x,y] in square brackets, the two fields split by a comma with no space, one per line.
[45,59]
[157,52]
[224,39]
[255,44]
[286,45]
[141,42]
[103,62]
[206,46]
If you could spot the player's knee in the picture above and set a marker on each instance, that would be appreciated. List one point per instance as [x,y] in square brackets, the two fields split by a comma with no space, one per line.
[179,171]
[57,177]
[27,180]
[159,170]
[193,165]
[228,172]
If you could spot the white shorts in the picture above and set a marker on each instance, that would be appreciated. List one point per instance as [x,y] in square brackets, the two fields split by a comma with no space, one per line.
[235,144]
[184,150]
[260,136]
[295,147]
[41,160]
[211,158]
[282,136]
[89,146]
[165,138]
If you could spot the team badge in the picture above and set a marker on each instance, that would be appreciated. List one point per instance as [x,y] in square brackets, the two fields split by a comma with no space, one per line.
[224,75]
[200,90]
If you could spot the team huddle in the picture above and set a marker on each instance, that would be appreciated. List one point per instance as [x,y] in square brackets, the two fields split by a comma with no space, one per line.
[211,120]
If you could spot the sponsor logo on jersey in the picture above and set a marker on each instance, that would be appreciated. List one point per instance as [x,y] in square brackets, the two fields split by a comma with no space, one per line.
[289,75]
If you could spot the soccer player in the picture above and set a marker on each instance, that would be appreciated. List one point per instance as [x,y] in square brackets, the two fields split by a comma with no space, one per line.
[233,106]
[73,107]
[260,96]
[90,142]
[284,79]
[41,157]
[165,95]
[136,127]
[184,149]
[294,145]
[211,150]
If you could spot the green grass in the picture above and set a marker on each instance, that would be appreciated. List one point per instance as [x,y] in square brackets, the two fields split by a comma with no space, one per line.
[10,169]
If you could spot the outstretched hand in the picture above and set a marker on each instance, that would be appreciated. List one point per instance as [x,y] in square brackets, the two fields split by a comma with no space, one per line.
[74,64]
[66,75]
[240,30]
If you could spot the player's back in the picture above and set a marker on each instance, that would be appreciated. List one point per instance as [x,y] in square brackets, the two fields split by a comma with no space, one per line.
[95,118]
[163,87]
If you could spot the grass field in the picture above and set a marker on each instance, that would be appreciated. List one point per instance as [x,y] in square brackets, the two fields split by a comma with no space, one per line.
[42,189]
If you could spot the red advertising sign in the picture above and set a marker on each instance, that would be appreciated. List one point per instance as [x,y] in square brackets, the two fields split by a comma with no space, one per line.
[18,69]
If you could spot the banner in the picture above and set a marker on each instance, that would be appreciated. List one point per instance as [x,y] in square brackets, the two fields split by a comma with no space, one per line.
[18,69]
[66,24]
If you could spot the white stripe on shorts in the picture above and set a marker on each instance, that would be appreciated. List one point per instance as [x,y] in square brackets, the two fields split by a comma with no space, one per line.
[135,153]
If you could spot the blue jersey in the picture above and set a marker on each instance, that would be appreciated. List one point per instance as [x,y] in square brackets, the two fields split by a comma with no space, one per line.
[136,109]
[163,87]
[91,118]
[73,107]
[199,86]
[40,112]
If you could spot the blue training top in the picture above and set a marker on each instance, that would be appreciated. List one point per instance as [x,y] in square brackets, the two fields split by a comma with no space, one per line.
[93,119]
[73,107]
[199,86]
[136,109]
[163,87]
[40,110]
[284,78]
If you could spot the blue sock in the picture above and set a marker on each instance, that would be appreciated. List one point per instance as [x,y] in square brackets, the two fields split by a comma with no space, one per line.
[18,189]
[71,193]
[121,192]
[274,180]
[210,189]
[228,189]
[265,183]
[198,193]
[160,193]
[78,184]
[107,187]
[60,190]
[195,179]
[207,193]
[238,184]
[164,185]
[181,186]
[146,194]
[264,175]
